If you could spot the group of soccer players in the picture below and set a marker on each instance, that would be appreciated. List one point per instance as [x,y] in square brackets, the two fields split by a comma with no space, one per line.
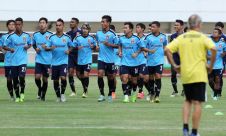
[137,58]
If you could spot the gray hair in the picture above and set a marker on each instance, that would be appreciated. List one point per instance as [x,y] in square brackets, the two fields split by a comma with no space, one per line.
[194,21]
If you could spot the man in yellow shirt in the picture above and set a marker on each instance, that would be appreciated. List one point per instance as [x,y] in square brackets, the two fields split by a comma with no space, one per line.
[192,47]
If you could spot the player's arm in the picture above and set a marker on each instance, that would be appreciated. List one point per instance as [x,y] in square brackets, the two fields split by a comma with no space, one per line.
[211,47]
[29,43]
[6,45]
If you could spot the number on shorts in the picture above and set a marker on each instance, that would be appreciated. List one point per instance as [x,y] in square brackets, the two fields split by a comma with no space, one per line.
[89,66]
[161,68]
[136,70]
[23,69]
[65,70]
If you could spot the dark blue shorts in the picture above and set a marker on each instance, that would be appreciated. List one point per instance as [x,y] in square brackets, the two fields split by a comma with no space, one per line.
[117,68]
[8,71]
[155,69]
[82,68]
[72,61]
[18,71]
[42,69]
[59,71]
[143,69]
[109,68]
[133,71]
[216,72]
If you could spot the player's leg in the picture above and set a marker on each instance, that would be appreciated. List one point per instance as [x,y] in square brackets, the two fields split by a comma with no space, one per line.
[85,79]
[15,76]
[38,74]
[71,70]
[221,81]
[110,77]
[63,77]
[125,78]
[158,82]
[140,81]
[217,85]
[8,76]
[45,75]
[100,80]
[151,84]
[22,74]
[134,75]
[115,82]
[174,82]
[56,85]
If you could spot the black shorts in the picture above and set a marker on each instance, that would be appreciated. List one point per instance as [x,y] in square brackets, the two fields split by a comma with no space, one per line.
[109,68]
[117,67]
[42,69]
[18,71]
[143,69]
[72,61]
[155,69]
[131,70]
[58,71]
[195,91]
[8,71]
[82,68]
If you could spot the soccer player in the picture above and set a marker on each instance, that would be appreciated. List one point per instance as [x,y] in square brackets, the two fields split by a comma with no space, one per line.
[142,70]
[117,61]
[72,58]
[220,25]
[84,43]
[43,58]
[179,28]
[129,44]
[60,45]
[192,47]
[18,43]
[156,43]
[216,75]
[107,40]
[10,24]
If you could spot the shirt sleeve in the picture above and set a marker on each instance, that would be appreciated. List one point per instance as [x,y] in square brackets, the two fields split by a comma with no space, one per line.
[75,42]
[94,42]
[33,40]
[29,40]
[141,43]
[49,42]
[165,41]
[70,43]
[173,46]
[7,41]
[115,40]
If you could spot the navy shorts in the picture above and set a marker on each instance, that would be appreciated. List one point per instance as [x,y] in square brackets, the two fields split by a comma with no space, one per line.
[133,71]
[143,69]
[59,71]
[109,68]
[82,68]
[72,61]
[42,69]
[18,71]
[216,72]
[117,68]
[155,69]
[195,91]
[8,71]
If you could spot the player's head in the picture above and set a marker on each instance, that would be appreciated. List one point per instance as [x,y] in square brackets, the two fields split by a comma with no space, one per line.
[216,33]
[179,25]
[19,24]
[60,25]
[10,24]
[140,27]
[74,23]
[155,27]
[128,28]
[194,22]
[43,23]
[106,21]
[86,28]
[112,27]
[219,25]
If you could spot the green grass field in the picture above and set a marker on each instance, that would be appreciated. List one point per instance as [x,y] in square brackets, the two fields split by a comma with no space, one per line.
[87,117]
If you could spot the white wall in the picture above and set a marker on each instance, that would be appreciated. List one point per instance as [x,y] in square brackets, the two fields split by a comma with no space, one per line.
[120,10]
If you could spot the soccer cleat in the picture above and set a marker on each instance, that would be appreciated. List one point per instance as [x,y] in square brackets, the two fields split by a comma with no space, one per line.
[157,100]
[12,98]
[72,94]
[17,100]
[134,98]
[110,99]
[148,98]
[84,95]
[58,99]
[126,99]
[182,93]
[63,98]
[140,95]
[38,97]
[194,134]
[185,132]
[101,98]
[174,94]
[113,95]
[22,96]
[152,98]
[215,98]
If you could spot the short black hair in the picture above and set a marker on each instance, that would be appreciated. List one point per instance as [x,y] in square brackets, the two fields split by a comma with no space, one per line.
[75,19]
[181,22]
[219,24]
[60,20]
[43,18]
[186,29]
[156,23]
[219,31]
[10,21]
[107,17]
[19,19]
[112,27]
[130,24]
[141,25]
